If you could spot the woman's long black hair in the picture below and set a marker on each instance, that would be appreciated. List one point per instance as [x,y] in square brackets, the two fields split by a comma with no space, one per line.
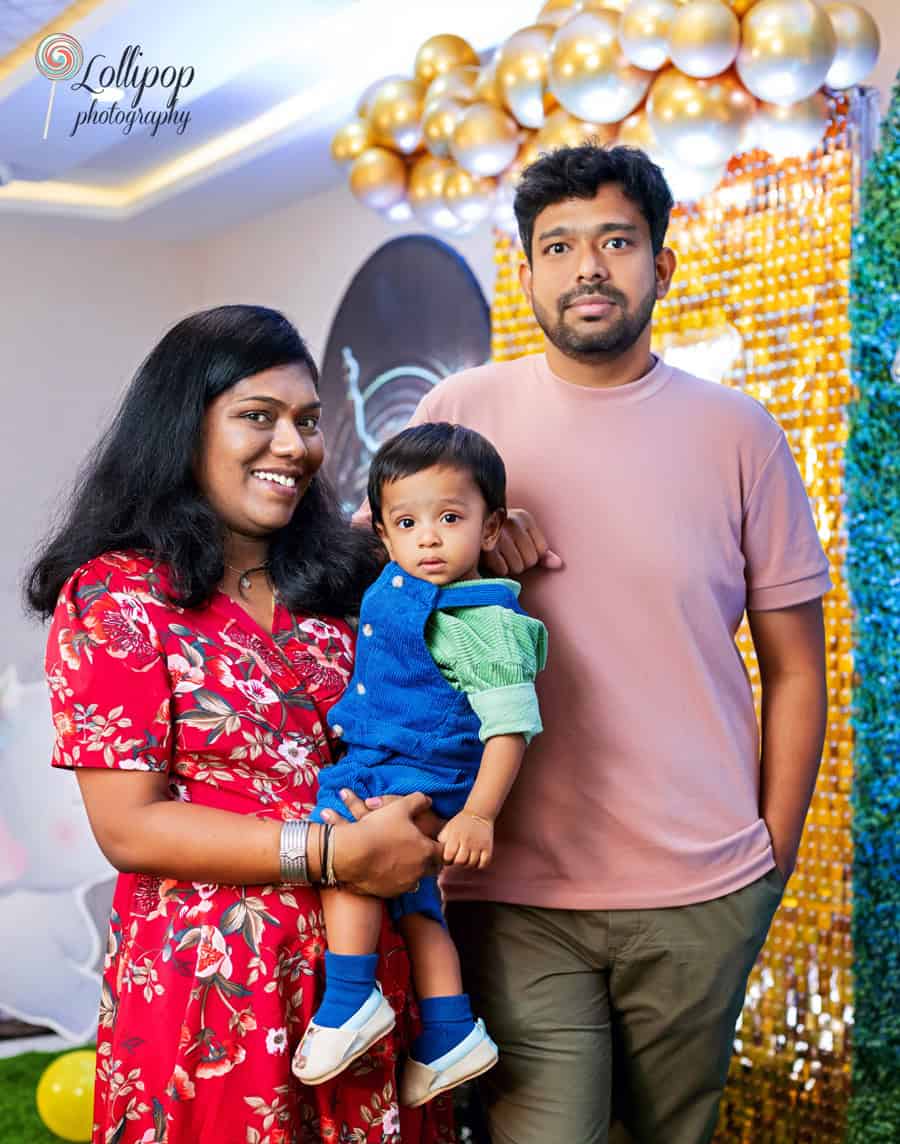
[137,489]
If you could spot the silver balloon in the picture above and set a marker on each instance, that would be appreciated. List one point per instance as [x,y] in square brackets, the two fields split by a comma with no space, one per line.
[792,130]
[644,32]
[858,44]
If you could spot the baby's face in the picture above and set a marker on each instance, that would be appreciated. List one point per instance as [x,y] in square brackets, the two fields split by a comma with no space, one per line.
[435,524]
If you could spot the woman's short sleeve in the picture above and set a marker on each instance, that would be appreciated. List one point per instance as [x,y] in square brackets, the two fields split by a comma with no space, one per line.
[109,686]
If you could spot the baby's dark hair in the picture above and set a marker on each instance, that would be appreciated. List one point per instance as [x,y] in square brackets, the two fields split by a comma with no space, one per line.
[438,443]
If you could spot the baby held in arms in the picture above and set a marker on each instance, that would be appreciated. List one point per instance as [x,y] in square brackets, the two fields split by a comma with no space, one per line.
[442,700]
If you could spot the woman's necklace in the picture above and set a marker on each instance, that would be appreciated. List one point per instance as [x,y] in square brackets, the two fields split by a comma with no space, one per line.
[244,582]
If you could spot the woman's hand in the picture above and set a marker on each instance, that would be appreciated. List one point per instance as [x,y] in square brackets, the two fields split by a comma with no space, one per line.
[385,853]
[427,821]
[521,546]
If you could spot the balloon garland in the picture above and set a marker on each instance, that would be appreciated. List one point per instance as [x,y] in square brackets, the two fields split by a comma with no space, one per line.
[692,82]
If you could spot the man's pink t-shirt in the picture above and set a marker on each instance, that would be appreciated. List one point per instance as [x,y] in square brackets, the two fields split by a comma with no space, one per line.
[675,504]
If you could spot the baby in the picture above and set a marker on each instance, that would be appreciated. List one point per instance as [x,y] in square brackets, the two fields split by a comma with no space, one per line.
[442,700]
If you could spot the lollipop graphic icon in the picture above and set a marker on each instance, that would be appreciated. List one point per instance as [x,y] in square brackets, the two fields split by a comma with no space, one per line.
[58,56]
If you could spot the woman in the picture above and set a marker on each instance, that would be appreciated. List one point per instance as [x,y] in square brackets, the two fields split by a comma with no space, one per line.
[197,588]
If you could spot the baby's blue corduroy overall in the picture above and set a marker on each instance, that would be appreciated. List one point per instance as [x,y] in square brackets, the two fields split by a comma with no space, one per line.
[406,728]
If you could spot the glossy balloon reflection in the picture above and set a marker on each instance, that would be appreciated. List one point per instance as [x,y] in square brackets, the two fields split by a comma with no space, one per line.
[787,48]
[485,141]
[858,44]
[644,32]
[590,75]
[704,38]
[522,73]
[699,121]
[378,178]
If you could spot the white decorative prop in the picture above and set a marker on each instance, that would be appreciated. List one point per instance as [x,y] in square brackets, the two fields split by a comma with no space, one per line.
[48,863]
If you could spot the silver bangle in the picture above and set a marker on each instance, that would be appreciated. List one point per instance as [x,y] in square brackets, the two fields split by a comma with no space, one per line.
[292,852]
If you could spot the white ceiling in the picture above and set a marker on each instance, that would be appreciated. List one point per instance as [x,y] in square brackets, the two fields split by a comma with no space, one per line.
[301,64]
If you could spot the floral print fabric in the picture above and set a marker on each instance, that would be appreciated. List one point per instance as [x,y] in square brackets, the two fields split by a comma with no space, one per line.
[208,988]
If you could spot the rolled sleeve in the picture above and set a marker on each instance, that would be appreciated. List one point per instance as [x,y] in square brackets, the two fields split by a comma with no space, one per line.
[507,711]
[785,563]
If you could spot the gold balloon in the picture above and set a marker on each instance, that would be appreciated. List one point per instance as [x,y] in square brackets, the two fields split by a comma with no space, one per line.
[458,83]
[644,32]
[469,197]
[699,121]
[439,123]
[395,115]
[787,47]
[556,12]
[601,5]
[529,152]
[364,103]
[704,38]
[688,182]
[564,130]
[635,131]
[426,192]
[378,178]
[589,74]
[485,140]
[441,54]
[350,141]
[486,89]
[785,131]
[858,44]
[522,73]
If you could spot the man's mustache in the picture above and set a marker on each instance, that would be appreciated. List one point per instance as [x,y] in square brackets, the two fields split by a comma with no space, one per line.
[609,293]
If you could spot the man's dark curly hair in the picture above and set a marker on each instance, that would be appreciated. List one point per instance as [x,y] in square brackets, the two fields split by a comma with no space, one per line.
[578,173]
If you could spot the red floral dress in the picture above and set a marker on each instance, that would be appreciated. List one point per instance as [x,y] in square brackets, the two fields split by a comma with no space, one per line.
[208,988]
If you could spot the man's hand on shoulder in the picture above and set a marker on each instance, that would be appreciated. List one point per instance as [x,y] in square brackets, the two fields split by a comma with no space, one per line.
[521,546]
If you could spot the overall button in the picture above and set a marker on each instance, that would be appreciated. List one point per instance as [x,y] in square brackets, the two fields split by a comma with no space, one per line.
[360,689]
[367,629]
[397,582]
[338,730]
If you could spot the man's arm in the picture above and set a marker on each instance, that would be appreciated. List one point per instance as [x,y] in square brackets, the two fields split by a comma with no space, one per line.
[790,648]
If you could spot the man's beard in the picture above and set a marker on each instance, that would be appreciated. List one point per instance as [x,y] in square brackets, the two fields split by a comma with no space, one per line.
[609,340]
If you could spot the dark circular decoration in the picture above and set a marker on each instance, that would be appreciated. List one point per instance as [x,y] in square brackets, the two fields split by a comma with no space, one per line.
[413,314]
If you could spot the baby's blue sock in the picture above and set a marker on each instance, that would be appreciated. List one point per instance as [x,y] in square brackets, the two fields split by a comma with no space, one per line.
[349,979]
[445,1022]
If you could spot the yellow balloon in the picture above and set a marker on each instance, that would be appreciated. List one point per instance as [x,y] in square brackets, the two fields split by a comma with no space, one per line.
[395,115]
[426,192]
[350,141]
[704,38]
[485,141]
[439,124]
[564,130]
[787,48]
[65,1095]
[589,74]
[522,73]
[699,121]
[858,44]
[378,178]
[441,54]
[469,197]
[458,83]
[644,32]
[791,130]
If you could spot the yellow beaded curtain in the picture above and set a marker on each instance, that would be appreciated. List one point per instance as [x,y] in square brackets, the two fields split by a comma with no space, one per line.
[760,302]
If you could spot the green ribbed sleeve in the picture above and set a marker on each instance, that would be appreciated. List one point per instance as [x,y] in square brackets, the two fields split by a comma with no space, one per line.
[492,654]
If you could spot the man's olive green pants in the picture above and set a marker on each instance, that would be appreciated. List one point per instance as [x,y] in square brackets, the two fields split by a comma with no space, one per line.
[625,1013]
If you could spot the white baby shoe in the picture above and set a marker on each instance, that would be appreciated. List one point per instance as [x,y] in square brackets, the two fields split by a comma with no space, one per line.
[470,1058]
[324,1052]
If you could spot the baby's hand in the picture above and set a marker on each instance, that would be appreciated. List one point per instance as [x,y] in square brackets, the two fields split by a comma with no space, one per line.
[468,840]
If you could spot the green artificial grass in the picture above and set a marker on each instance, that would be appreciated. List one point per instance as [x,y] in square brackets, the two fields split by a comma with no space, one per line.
[19,1120]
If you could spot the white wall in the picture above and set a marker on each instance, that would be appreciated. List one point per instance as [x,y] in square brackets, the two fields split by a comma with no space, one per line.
[79,309]
[302,259]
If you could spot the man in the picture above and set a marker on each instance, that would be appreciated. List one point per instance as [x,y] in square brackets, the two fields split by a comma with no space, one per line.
[649,836]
